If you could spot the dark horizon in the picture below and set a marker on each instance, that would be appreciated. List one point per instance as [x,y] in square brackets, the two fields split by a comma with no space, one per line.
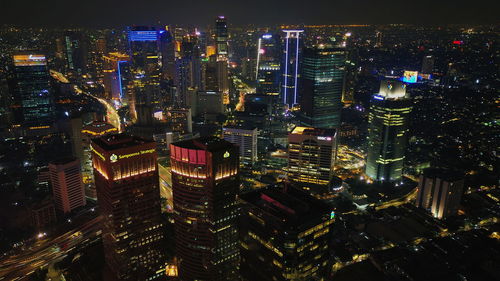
[121,13]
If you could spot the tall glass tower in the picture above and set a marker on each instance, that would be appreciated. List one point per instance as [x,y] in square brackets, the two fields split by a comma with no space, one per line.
[322,84]
[290,67]
[31,90]
[387,131]
[221,36]
[268,65]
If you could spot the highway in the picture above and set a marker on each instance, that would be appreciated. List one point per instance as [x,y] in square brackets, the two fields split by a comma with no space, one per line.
[46,251]
[112,116]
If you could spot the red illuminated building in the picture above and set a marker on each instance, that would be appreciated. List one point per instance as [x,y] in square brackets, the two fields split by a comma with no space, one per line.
[205,183]
[126,178]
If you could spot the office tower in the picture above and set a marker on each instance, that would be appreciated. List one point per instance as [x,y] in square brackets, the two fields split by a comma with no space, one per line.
[182,80]
[32,95]
[180,120]
[167,49]
[387,131]
[210,74]
[245,137]
[428,64]
[145,67]
[311,155]
[42,213]
[221,36]
[206,103]
[75,49]
[440,191]
[126,177]
[222,75]
[268,65]
[322,85]
[290,68]
[284,235]
[67,184]
[205,182]
[76,137]
[114,80]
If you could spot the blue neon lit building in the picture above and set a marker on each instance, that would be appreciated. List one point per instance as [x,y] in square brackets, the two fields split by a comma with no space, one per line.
[290,67]
[268,65]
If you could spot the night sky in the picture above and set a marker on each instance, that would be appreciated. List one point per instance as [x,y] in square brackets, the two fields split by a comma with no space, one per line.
[125,12]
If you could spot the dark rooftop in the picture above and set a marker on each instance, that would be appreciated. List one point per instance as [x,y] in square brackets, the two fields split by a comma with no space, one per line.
[205,143]
[112,142]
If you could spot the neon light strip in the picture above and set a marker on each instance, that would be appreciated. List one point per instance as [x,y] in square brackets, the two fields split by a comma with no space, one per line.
[286,69]
[296,68]
[120,78]
[258,60]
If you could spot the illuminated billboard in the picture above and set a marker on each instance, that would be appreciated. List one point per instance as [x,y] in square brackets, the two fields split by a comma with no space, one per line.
[410,76]
[29,60]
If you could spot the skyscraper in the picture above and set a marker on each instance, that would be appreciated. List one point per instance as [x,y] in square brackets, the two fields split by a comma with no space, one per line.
[268,65]
[311,155]
[67,184]
[246,139]
[428,64]
[284,235]
[75,48]
[387,131]
[205,182]
[126,178]
[440,191]
[114,82]
[145,67]
[290,67]
[221,36]
[322,85]
[33,101]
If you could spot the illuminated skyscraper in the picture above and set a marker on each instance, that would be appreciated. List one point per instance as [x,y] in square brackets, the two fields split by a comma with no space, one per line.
[322,85]
[145,66]
[31,90]
[290,67]
[126,177]
[284,235]
[221,36]
[387,131]
[440,191]
[268,65]
[75,49]
[311,155]
[114,80]
[205,182]
[67,184]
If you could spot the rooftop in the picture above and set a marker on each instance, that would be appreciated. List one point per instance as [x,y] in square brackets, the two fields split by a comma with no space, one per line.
[112,142]
[205,143]
[313,131]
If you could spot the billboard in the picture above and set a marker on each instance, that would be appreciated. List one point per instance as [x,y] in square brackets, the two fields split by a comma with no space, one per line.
[410,76]
[29,60]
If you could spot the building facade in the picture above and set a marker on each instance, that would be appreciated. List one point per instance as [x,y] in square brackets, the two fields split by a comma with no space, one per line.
[205,181]
[284,235]
[268,68]
[67,184]
[246,139]
[290,68]
[127,182]
[387,132]
[322,86]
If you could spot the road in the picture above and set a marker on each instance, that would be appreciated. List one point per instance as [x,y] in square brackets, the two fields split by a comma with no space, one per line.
[46,251]
[243,89]
[111,113]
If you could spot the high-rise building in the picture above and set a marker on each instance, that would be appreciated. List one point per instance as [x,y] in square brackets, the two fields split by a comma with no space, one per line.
[126,177]
[114,80]
[221,36]
[311,155]
[205,182]
[284,235]
[145,67]
[76,50]
[67,184]
[290,67]
[387,131]
[428,64]
[322,85]
[268,65]
[245,138]
[440,191]
[32,95]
